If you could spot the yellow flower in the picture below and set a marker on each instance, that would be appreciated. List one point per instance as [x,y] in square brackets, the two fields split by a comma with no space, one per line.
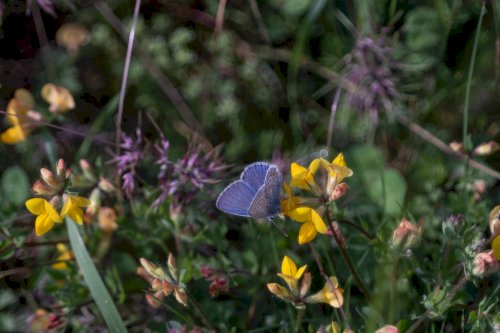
[496,247]
[65,255]
[338,169]
[59,98]
[47,215]
[313,223]
[290,202]
[72,208]
[330,294]
[304,178]
[20,116]
[290,273]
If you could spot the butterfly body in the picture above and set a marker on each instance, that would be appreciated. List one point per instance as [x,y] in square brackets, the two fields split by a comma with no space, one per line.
[256,194]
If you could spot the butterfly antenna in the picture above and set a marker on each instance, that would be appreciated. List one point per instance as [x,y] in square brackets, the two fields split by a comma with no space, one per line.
[273,222]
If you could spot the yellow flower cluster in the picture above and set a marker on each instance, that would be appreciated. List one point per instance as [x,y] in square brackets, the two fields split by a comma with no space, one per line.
[301,209]
[297,294]
[308,211]
[52,185]
[22,117]
[47,215]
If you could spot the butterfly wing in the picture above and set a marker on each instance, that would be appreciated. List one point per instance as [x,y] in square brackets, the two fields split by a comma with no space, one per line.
[266,202]
[236,198]
[255,174]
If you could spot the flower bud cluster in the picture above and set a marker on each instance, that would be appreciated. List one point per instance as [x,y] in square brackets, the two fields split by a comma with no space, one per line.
[162,283]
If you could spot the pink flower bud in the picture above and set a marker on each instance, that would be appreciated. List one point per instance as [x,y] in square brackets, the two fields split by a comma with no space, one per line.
[61,169]
[49,178]
[407,234]
[206,271]
[339,191]
[494,220]
[106,185]
[485,264]
[41,188]
[387,329]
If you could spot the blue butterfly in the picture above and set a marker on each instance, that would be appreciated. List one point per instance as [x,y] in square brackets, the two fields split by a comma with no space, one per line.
[256,194]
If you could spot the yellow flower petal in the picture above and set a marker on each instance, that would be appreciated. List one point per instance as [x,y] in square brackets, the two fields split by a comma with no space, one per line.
[301,214]
[66,208]
[25,99]
[496,247]
[339,160]
[51,212]
[36,206]
[307,233]
[43,224]
[13,135]
[76,214]
[72,208]
[80,201]
[300,271]
[288,267]
[318,222]
[59,98]
[335,298]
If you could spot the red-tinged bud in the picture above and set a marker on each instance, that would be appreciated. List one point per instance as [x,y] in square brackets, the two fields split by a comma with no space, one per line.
[145,275]
[153,301]
[107,219]
[305,285]
[61,169]
[279,291]
[494,221]
[487,148]
[106,185]
[49,178]
[167,288]
[206,271]
[407,234]
[152,269]
[387,329]
[485,264]
[41,188]
[88,172]
[457,147]
[180,296]
[156,285]
[339,191]
[172,266]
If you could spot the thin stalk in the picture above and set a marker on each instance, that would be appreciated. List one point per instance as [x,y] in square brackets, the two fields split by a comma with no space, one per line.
[331,121]
[340,310]
[358,227]
[298,322]
[123,89]
[394,282]
[219,18]
[347,260]
[43,40]
[469,78]
[200,312]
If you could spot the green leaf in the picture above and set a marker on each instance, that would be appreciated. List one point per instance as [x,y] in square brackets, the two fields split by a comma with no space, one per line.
[15,185]
[388,190]
[93,279]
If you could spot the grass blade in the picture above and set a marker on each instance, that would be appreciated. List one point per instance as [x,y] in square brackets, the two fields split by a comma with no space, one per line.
[93,279]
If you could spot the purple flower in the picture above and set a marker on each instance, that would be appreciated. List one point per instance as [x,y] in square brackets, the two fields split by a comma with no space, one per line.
[127,162]
[183,179]
[372,70]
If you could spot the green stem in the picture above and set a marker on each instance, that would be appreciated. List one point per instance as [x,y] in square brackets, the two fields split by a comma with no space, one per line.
[298,322]
[200,312]
[394,282]
[347,260]
[469,78]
